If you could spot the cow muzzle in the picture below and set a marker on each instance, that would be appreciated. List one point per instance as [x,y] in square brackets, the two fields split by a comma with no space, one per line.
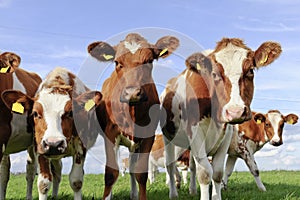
[54,146]
[133,96]
[237,115]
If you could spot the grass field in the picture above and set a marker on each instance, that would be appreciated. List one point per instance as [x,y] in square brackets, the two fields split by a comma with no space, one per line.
[281,185]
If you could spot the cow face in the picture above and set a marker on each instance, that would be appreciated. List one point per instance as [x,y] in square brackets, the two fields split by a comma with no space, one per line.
[9,62]
[273,123]
[51,117]
[133,59]
[233,72]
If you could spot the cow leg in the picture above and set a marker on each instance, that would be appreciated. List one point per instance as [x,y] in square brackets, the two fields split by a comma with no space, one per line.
[56,167]
[141,166]
[218,163]
[230,162]
[177,177]
[111,169]
[170,165]
[152,171]
[250,162]
[44,180]
[76,175]
[193,186]
[132,162]
[4,173]
[30,172]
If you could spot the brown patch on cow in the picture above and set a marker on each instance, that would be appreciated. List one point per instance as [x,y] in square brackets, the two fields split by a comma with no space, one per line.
[185,158]
[40,124]
[235,41]
[158,147]
[44,165]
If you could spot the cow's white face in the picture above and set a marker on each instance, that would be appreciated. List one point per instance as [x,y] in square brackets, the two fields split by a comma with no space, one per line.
[237,80]
[53,122]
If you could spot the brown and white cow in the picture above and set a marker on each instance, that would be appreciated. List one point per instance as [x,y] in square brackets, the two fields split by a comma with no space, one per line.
[132,104]
[157,159]
[60,97]
[15,135]
[201,103]
[251,136]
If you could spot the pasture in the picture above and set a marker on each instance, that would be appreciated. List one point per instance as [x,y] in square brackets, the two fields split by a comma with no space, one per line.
[281,185]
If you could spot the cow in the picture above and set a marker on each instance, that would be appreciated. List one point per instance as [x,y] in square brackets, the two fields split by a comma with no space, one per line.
[15,136]
[202,102]
[157,159]
[60,113]
[249,137]
[132,105]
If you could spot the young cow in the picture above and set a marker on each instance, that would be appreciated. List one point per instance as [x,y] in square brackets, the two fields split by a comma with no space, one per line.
[15,134]
[51,111]
[212,92]
[251,136]
[157,159]
[131,105]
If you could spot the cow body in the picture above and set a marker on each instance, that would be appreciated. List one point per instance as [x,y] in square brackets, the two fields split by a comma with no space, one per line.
[212,92]
[251,136]
[15,134]
[131,105]
[55,134]
[157,159]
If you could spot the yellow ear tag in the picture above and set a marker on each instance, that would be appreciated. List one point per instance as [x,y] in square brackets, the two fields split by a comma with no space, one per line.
[198,66]
[291,121]
[264,60]
[258,121]
[4,69]
[17,107]
[163,51]
[89,105]
[107,57]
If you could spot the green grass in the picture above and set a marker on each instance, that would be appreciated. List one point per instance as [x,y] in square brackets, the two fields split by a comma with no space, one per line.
[281,185]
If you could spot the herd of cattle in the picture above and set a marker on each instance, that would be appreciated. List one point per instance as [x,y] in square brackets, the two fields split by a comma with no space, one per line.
[204,114]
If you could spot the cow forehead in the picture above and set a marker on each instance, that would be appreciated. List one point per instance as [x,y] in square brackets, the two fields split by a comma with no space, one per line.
[274,118]
[53,102]
[137,50]
[231,58]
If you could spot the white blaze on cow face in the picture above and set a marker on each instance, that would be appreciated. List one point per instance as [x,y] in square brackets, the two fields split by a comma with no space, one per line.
[231,58]
[132,47]
[275,118]
[53,105]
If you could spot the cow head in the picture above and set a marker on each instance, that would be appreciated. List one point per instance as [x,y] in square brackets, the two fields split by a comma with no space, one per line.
[133,59]
[273,123]
[233,65]
[9,62]
[51,116]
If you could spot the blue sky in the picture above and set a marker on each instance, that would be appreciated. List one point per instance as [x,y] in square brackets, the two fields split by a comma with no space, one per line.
[56,33]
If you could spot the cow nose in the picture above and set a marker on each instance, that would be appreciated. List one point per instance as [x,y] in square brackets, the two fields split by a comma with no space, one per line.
[133,95]
[275,143]
[54,146]
[237,114]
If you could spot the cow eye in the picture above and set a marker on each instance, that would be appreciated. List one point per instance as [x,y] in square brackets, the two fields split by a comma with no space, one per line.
[267,125]
[216,76]
[36,115]
[69,114]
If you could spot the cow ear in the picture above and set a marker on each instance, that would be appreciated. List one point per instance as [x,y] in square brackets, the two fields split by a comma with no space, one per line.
[10,62]
[259,118]
[199,62]
[17,101]
[101,51]
[89,99]
[165,46]
[267,53]
[291,119]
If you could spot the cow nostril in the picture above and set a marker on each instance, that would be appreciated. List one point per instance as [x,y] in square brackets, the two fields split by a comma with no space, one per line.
[45,145]
[61,145]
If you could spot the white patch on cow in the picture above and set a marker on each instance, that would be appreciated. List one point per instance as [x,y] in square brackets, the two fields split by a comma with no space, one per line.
[231,58]
[275,118]
[132,47]
[53,106]
[46,183]
[17,85]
